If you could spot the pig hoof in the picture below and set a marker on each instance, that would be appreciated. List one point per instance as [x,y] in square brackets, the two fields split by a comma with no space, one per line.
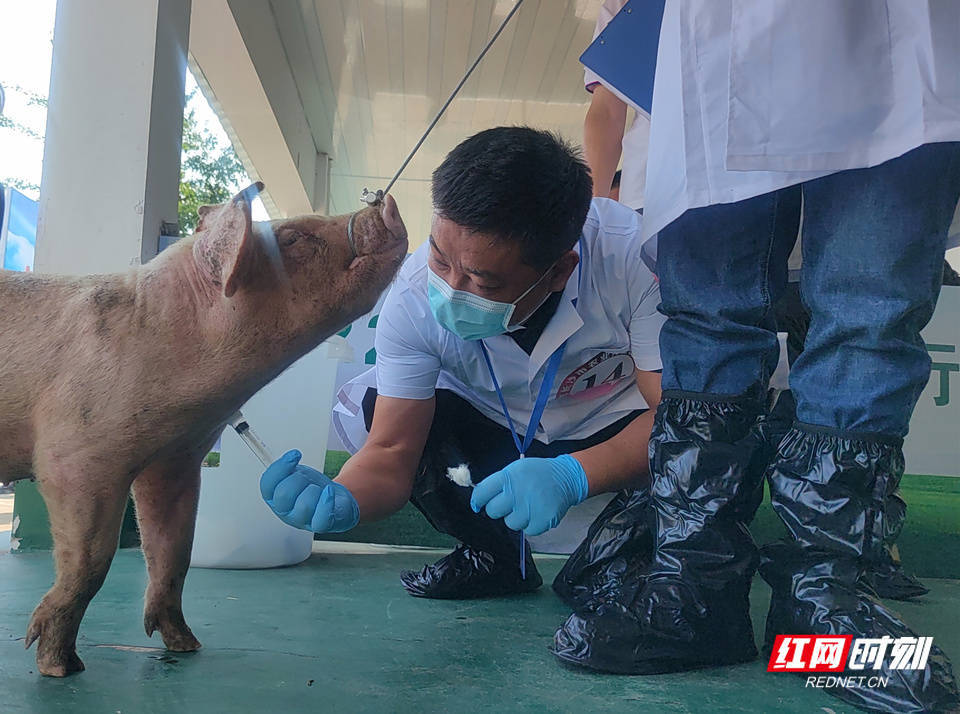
[60,664]
[33,632]
[54,657]
[176,636]
[182,643]
[179,640]
[43,621]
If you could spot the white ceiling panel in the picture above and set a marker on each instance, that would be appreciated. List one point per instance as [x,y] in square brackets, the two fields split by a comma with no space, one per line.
[372,73]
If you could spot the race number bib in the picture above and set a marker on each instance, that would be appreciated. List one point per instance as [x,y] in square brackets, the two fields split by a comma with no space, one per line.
[601,375]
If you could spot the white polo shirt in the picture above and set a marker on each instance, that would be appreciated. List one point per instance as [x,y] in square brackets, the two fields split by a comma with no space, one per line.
[751,96]
[637,134]
[613,329]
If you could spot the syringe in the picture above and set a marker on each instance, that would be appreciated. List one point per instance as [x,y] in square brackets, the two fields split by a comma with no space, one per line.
[240,425]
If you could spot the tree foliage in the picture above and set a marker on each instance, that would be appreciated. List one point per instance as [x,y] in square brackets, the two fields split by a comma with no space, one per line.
[24,187]
[37,100]
[19,127]
[209,172]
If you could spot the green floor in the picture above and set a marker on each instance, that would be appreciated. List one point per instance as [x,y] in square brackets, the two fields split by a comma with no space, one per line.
[338,634]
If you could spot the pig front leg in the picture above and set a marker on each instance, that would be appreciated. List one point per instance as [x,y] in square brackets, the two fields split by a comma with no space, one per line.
[166,494]
[86,509]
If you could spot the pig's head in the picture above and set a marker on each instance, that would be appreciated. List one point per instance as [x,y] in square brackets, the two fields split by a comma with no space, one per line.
[303,277]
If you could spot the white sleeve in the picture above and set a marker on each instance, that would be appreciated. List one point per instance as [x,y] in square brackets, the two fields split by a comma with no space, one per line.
[407,365]
[643,291]
[608,9]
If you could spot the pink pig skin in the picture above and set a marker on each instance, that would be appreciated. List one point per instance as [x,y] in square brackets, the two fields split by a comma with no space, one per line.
[113,382]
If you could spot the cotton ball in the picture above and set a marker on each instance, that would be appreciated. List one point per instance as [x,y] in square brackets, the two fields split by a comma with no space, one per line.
[460,475]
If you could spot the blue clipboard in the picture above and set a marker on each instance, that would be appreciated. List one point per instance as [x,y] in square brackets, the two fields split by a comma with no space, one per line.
[624,54]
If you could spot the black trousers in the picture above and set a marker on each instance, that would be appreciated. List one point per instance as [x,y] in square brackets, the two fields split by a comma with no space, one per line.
[460,434]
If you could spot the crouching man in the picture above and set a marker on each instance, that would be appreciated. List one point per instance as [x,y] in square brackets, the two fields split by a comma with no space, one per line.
[526,326]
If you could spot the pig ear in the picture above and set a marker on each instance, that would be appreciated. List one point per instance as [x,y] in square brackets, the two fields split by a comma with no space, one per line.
[226,247]
[241,264]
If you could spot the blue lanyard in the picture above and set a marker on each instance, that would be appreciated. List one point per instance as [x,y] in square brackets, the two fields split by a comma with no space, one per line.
[553,364]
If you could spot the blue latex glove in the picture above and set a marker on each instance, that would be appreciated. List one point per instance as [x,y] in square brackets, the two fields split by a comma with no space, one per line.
[532,495]
[304,498]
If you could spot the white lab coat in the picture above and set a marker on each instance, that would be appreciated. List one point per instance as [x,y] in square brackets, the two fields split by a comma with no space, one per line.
[636,135]
[613,329]
[752,96]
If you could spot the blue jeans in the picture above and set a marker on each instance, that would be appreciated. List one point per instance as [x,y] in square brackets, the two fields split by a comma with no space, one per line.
[873,245]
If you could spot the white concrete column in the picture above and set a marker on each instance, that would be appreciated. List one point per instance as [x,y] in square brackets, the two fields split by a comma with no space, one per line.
[111,160]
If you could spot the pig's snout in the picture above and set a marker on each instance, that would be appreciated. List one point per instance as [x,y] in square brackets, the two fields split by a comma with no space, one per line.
[371,234]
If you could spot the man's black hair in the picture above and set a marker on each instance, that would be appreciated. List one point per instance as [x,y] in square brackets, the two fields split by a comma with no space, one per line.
[616,179]
[518,184]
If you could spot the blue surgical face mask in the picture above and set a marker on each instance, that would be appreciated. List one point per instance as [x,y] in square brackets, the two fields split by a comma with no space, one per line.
[469,316]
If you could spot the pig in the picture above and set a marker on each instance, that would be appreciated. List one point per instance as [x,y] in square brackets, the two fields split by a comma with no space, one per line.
[113,383]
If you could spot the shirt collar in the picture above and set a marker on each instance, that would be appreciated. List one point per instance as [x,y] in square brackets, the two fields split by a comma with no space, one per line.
[565,322]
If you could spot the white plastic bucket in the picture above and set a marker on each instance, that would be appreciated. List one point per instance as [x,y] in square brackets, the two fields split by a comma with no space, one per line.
[235,528]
